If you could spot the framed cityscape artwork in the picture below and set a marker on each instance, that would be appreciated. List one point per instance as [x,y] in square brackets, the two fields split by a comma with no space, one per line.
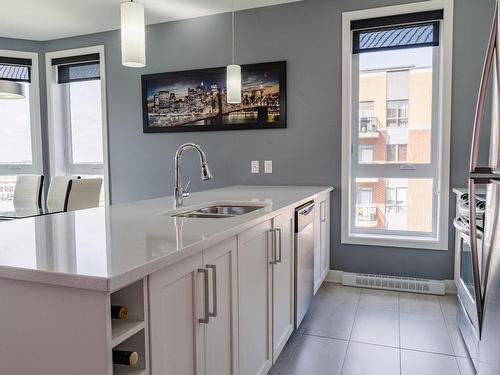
[195,100]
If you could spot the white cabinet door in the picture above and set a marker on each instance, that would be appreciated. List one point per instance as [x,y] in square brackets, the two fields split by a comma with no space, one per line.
[176,305]
[321,239]
[325,235]
[221,335]
[255,300]
[283,281]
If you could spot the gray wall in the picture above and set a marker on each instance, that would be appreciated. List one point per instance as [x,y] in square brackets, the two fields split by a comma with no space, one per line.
[307,35]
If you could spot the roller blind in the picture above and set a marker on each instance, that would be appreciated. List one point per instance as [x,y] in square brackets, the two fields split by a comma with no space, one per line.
[14,69]
[411,30]
[77,68]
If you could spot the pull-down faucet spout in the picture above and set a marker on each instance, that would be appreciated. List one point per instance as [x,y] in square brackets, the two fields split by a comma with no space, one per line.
[179,191]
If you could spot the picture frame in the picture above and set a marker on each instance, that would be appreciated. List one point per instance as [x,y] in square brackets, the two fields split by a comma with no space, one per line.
[194,100]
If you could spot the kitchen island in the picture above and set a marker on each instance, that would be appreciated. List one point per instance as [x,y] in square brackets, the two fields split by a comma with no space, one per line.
[204,295]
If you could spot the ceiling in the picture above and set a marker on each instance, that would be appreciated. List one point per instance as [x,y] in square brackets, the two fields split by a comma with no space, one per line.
[53,19]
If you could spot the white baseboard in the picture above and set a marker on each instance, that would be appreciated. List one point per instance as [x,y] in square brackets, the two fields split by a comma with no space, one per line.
[450,287]
[335,276]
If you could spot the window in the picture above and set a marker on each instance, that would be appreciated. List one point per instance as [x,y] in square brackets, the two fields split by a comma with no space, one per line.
[397,113]
[85,137]
[395,200]
[20,144]
[366,121]
[77,94]
[365,211]
[365,153]
[396,125]
[396,153]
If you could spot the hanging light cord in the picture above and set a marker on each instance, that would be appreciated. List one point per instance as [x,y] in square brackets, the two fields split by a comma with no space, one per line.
[232,27]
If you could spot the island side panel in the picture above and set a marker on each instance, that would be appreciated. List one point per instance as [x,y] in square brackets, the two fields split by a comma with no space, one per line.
[52,330]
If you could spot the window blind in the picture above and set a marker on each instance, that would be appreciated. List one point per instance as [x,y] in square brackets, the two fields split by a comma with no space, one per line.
[411,30]
[15,69]
[77,68]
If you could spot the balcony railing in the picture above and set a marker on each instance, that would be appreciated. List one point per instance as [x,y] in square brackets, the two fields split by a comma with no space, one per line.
[366,213]
[369,125]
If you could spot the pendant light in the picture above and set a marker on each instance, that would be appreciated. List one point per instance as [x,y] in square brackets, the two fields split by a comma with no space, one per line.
[133,34]
[11,90]
[233,73]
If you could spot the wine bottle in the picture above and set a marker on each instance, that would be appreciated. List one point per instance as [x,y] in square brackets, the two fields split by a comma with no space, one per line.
[119,312]
[124,357]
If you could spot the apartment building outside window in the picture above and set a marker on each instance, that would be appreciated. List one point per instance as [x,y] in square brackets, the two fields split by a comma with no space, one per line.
[395,69]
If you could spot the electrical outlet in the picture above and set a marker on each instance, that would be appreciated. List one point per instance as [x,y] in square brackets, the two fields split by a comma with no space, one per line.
[268,166]
[254,166]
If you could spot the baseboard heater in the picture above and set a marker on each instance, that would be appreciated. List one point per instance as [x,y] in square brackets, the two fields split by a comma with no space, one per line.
[406,284]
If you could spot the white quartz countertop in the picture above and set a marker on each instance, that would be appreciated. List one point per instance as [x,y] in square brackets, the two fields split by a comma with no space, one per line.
[109,247]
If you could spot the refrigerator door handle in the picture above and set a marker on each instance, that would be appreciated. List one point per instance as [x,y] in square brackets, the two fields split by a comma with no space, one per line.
[475,257]
[483,91]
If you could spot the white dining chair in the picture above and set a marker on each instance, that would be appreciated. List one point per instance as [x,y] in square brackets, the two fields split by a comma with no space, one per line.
[83,193]
[58,192]
[28,190]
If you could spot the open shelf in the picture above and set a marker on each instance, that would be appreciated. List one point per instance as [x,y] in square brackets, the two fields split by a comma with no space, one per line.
[123,329]
[136,343]
[131,333]
[132,297]
[126,370]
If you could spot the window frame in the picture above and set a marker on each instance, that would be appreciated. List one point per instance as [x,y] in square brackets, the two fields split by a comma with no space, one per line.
[440,149]
[60,136]
[36,166]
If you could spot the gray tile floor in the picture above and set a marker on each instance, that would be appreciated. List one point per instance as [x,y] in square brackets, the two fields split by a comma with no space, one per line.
[354,331]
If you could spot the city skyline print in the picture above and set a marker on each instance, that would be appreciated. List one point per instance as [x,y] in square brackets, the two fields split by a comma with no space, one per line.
[195,100]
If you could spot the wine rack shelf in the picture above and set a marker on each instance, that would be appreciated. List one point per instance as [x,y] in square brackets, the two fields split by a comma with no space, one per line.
[123,329]
[131,333]
[125,370]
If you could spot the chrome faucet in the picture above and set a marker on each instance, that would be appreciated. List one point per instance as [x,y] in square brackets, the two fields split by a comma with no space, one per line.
[179,191]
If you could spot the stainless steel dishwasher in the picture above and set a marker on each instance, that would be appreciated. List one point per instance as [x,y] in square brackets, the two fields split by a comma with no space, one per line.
[304,260]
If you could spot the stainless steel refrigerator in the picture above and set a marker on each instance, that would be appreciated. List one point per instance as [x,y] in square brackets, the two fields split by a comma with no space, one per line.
[479,284]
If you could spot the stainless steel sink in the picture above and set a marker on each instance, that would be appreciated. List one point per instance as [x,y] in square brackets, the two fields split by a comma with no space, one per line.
[228,210]
[200,215]
[220,211]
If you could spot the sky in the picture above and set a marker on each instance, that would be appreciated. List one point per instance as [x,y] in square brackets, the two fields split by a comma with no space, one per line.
[15,139]
[418,57]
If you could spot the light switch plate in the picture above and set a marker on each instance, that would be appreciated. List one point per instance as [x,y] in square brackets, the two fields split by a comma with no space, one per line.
[268,166]
[254,164]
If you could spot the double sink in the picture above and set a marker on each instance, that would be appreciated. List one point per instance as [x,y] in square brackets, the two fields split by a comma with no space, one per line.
[220,210]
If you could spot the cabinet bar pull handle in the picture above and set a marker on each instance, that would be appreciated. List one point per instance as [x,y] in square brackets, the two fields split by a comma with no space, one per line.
[278,230]
[323,211]
[273,246]
[213,267]
[206,318]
